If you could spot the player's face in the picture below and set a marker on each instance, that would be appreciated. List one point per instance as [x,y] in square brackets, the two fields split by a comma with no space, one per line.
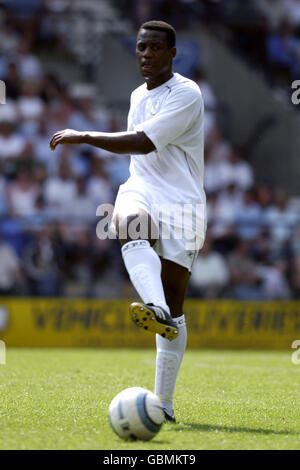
[154,57]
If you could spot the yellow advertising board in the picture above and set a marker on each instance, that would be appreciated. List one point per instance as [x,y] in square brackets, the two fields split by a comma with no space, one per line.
[106,323]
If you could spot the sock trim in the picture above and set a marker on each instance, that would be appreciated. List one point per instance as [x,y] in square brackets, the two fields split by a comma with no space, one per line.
[135,244]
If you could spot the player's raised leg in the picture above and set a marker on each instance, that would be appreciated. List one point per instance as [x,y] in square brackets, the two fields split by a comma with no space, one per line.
[144,269]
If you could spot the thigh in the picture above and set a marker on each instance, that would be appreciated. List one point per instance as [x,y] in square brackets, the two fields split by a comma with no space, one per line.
[175,280]
[135,226]
[131,216]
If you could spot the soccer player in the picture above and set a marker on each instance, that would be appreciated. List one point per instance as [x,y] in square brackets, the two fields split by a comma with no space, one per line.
[165,141]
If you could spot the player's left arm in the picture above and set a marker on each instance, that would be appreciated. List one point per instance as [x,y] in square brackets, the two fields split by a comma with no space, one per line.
[135,142]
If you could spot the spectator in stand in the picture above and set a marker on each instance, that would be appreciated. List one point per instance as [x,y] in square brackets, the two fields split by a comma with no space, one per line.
[281,219]
[28,64]
[3,196]
[264,195]
[118,170]
[25,15]
[99,188]
[13,145]
[295,276]
[248,220]
[236,171]
[86,116]
[217,146]
[295,240]
[210,101]
[40,147]
[9,40]
[226,208]
[22,194]
[274,11]
[247,24]
[12,82]
[55,24]
[292,8]
[243,270]
[210,273]
[212,174]
[43,259]
[59,115]
[60,191]
[80,209]
[217,154]
[30,108]
[11,276]
[211,204]
[273,279]
[78,249]
[283,53]
[108,280]
[52,92]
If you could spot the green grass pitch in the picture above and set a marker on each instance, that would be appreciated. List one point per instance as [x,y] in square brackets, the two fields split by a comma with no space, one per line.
[58,399]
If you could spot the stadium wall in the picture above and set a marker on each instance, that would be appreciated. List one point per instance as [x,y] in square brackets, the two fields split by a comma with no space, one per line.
[106,323]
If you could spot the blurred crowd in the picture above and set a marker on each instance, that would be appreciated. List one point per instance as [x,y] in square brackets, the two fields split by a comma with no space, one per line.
[265,32]
[48,200]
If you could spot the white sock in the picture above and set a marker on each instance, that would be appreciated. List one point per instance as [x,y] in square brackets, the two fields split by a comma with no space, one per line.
[144,269]
[168,359]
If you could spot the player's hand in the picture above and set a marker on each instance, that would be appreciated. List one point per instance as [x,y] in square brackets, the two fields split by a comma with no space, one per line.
[67,136]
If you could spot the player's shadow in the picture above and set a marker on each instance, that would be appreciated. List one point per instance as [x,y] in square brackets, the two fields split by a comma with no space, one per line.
[231,429]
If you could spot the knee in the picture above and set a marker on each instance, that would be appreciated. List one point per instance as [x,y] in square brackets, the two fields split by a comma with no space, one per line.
[134,227]
[121,224]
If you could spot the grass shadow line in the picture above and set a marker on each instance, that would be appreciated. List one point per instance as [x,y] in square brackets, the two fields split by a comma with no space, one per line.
[230,429]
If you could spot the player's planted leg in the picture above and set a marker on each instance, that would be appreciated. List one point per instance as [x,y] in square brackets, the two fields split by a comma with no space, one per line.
[169,354]
[168,360]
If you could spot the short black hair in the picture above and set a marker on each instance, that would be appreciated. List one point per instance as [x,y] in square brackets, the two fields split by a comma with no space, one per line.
[162,26]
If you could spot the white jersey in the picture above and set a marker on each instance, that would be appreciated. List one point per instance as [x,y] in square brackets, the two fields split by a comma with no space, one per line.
[171,115]
[168,182]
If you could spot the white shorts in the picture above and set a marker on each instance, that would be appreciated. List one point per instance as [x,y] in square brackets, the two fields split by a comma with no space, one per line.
[180,239]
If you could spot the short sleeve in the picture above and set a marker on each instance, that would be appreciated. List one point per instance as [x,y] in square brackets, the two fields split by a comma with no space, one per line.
[178,114]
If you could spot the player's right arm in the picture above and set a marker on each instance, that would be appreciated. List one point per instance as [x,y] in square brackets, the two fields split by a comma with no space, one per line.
[133,143]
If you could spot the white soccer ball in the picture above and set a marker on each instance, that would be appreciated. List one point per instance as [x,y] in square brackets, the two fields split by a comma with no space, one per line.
[136,413]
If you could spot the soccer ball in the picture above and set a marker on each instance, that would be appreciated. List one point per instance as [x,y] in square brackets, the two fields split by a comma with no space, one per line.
[136,413]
